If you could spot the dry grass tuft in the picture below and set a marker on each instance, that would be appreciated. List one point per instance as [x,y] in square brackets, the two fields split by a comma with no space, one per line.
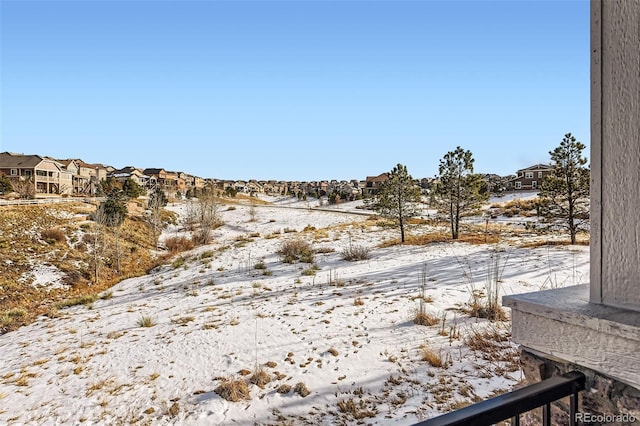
[182,320]
[430,356]
[423,318]
[260,378]
[86,300]
[53,235]
[178,244]
[527,207]
[146,321]
[583,241]
[480,308]
[333,351]
[358,410]
[494,345]
[470,237]
[301,389]
[233,390]
[283,388]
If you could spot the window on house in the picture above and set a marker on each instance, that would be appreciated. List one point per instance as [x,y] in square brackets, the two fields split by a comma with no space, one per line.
[534,184]
[518,185]
[14,172]
[529,175]
[41,173]
[27,173]
[539,174]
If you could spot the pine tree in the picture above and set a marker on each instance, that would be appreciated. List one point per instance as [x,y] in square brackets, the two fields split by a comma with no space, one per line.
[157,201]
[565,192]
[131,189]
[459,189]
[397,198]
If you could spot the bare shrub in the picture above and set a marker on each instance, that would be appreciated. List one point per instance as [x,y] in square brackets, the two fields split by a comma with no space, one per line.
[53,235]
[356,252]
[421,317]
[233,390]
[203,216]
[179,244]
[293,251]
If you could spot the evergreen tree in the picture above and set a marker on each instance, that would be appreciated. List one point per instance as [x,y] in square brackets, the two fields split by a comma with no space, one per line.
[397,198]
[5,185]
[131,189]
[113,211]
[157,201]
[459,189]
[565,192]
[109,186]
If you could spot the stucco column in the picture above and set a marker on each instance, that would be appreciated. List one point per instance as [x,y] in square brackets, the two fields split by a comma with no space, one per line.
[615,153]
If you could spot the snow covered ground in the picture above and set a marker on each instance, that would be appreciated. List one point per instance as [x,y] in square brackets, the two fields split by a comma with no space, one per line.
[346,333]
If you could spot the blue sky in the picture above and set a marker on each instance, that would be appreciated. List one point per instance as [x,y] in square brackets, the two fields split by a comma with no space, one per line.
[293,90]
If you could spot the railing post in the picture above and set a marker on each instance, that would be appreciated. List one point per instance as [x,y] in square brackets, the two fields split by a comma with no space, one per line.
[573,408]
[546,414]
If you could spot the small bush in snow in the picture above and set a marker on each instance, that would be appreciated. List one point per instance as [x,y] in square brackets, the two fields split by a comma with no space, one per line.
[293,251]
[356,252]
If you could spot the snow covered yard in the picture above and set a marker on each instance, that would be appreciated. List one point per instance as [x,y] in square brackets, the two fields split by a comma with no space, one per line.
[336,339]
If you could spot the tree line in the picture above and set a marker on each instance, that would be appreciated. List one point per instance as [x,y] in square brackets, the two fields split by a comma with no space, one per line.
[563,195]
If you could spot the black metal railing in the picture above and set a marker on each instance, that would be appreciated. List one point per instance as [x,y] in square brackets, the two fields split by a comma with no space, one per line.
[510,405]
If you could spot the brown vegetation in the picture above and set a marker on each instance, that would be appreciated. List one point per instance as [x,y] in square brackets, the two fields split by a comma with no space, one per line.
[178,244]
[28,232]
[233,390]
[469,237]
[292,251]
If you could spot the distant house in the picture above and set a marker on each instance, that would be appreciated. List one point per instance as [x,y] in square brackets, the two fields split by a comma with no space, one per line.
[253,186]
[372,183]
[47,175]
[174,181]
[85,176]
[132,173]
[529,178]
[156,177]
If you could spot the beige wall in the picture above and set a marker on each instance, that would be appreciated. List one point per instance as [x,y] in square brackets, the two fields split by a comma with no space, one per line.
[615,153]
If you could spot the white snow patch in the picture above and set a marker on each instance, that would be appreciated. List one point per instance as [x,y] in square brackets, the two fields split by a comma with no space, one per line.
[44,276]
